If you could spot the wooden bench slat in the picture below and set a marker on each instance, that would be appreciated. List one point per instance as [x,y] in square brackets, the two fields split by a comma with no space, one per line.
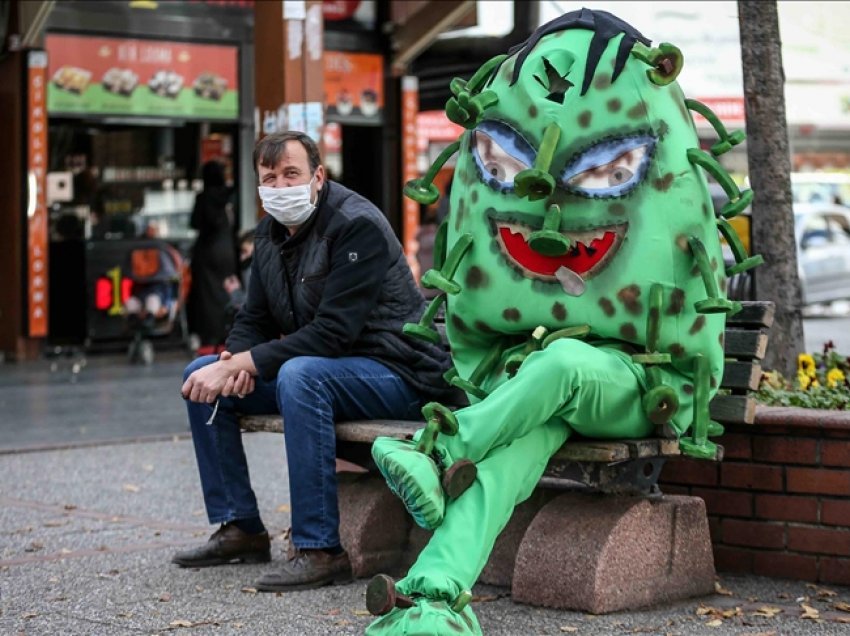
[742,376]
[593,452]
[747,345]
[733,409]
[261,423]
[367,430]
[754,314]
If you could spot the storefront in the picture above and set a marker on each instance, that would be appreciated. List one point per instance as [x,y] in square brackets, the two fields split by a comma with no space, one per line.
[138,100]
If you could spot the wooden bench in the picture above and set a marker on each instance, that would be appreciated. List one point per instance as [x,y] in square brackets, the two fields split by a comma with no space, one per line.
[549,537]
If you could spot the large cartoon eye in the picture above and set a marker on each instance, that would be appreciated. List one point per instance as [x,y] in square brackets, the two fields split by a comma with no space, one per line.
[501,153]
[611,168]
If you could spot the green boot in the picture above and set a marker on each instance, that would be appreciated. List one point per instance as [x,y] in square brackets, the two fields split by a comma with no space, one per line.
[426,618]
[414,477]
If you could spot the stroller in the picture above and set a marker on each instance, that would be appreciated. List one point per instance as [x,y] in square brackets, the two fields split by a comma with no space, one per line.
[156,304]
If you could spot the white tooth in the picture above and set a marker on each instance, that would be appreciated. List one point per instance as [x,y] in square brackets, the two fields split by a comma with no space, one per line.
[572,283]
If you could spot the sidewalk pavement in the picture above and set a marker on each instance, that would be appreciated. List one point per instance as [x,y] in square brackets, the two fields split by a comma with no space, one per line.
[87,530]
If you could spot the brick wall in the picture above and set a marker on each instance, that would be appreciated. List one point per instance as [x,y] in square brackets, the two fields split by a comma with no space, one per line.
[779,503]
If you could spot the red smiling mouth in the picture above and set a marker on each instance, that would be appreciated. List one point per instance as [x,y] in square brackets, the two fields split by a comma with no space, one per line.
[590,253]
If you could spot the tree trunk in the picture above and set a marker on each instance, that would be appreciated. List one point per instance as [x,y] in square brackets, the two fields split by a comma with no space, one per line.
[770,168]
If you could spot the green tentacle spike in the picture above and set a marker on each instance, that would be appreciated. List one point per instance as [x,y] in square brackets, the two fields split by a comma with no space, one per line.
[439,279]
[441,242]
[549,241]
[698,445]
[579,331]
[660,402]
[438,419]
[442,279]
[423,329]
[667,61]
[727,140]
[738,201]
[469,101]
[423,190]
[487,364]
[653,329]
[536,183]
[743,261]
[715,303]
[535,343]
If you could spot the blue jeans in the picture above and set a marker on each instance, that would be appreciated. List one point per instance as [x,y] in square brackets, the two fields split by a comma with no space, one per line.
[311,393]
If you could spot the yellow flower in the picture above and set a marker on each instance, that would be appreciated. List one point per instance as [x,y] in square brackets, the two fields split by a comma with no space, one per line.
[803,379]
[834,378]
[806,364]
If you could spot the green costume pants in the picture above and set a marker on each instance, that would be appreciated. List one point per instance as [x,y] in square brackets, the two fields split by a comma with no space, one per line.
[510,435]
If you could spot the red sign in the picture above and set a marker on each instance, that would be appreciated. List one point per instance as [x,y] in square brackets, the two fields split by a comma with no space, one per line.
[410,210]
[141,77]
[333,10]
[354,86]
[433,125]
[730,110]
[36,195]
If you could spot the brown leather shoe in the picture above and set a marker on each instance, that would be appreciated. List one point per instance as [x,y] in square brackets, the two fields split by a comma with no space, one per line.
[228,544]
[307,569]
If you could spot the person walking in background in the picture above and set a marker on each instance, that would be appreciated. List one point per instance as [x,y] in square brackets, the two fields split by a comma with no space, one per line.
[213,257]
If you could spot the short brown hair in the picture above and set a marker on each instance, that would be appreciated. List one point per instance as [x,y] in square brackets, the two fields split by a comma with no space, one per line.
[270,149]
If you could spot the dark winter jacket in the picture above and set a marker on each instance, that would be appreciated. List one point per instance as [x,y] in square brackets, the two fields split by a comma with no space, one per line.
[340,286]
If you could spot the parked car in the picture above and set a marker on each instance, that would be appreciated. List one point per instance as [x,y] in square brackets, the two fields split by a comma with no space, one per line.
[822,231]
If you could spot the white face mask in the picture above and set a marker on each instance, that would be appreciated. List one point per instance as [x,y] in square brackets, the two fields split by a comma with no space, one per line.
[289,206]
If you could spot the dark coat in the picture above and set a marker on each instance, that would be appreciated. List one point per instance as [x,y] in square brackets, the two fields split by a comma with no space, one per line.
[341,286]
[213,260]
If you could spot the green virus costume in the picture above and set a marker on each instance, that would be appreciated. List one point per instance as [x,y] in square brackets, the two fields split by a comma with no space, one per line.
[584,290]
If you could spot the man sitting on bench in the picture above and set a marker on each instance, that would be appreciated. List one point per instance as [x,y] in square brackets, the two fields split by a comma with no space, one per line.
[318,340]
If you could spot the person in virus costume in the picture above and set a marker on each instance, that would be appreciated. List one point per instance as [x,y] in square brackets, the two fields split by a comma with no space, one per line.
[584,289]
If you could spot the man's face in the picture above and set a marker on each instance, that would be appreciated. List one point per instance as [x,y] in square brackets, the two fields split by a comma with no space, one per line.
[293,169]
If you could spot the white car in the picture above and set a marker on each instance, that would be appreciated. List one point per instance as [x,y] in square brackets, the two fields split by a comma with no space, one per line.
[822,231]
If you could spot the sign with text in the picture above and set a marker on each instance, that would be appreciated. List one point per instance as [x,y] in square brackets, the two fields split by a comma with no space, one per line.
[354,87]
[152,78]
[36,196]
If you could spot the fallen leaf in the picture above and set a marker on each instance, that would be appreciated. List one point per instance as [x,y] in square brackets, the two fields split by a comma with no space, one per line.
[283,508]
[35,546]
[809,612]
[148,467]
[181,623]
[238,625]
[821,592]
[53,579]
[249,590]
[731,612]
[715,623]
[29,615]
[164,598]
[842,607]
[362,613]
[197,513]
[485,598]
[768,611]
[124,615]
[131,488]
[840,619]
[342,623]
[70,507]
[569,628]
[55,523]
[65,551]
[719,589]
